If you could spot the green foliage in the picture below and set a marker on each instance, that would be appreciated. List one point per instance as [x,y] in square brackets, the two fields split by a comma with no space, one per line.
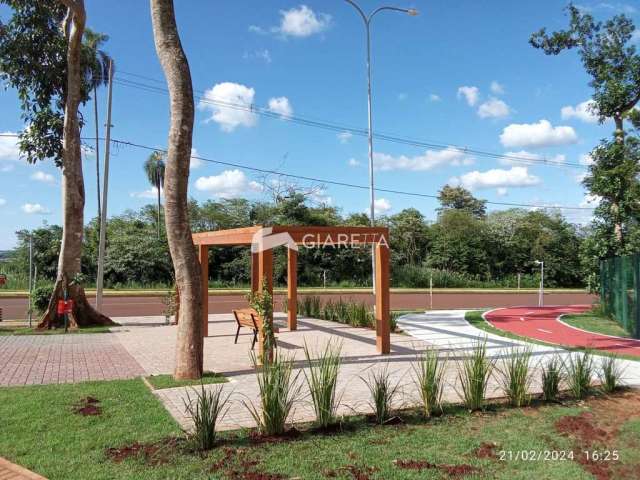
[551,379]
[41,297]
[322,380]
[429,378]
[279,390]
[474,372]
[610,374]
[459,198]
[262,303]
[209,407]
[580,370]
[382,393]
[515,376]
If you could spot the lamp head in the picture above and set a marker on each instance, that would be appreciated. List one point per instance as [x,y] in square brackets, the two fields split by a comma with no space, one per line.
[413,12]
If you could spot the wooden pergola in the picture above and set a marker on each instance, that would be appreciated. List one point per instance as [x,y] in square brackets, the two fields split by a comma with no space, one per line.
[262,262]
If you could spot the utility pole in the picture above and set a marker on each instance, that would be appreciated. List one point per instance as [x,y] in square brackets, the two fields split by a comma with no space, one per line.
[541,290]
[30,278]
[105,193]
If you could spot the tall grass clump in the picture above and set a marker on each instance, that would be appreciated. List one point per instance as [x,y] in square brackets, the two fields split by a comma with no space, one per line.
[610,374]
[429,378]
[383,391]
[474,372]
[552,377]
[279,390]
[515,376]
[580,371]
[322,380]
[208,407]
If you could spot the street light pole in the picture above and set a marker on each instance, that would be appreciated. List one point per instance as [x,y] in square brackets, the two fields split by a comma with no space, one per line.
[541,290]
[367,23]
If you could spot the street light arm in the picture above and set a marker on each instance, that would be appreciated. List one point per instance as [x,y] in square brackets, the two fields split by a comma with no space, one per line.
[360,11]
[395,9]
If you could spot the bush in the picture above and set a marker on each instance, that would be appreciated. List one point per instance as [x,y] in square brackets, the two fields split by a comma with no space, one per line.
[322,380]
[551,378]
[41,298]
[383,391]
[579,374]
[429,378]
[474,372]
[278,393]
[516,376]
[209,407]
[610,373]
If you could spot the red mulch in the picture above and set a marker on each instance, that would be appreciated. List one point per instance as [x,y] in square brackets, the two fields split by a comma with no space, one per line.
[88,406]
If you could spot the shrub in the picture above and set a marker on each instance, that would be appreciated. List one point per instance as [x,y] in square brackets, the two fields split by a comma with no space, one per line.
[515,376]
[322,380]
[383,391]
[279,390]
[551,378]
[579,374]
[209,407]
[41,298]
[474,372]
[610,374]
[429,378]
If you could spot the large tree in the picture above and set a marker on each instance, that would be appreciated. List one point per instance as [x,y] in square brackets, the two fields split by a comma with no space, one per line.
[189,361]
[49,33]
[459,198]
[154,168]
[611,59]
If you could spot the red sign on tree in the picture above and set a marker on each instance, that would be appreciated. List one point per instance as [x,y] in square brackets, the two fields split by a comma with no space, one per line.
[3,279]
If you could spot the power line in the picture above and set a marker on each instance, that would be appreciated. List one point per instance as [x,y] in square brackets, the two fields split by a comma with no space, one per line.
[307,121]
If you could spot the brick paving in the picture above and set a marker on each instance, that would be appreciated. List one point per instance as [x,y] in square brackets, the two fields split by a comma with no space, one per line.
[45,359]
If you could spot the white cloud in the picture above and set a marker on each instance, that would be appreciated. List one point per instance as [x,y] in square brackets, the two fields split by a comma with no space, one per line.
[380,206]
[434,97]
[229,184]
[233,93]
[470,94]
[497,88]
[195,162]
[344,137]
[302,22]
[493,108]
[3,202]
[502,191]
[537,135]
[43,177]
[523,156]
[321,198]
[353,162]
[35,209]
[586,159]
[260,54]
[281,106]
[150,193]
[497,178]
[430,159]
[583,111]
[9,151]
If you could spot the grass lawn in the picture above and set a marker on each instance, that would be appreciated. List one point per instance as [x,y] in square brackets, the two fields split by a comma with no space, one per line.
[57,331]
[167,381]
[596,323]
[41,431]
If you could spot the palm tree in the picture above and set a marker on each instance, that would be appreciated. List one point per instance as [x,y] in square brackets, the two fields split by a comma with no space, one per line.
[96,75]
[154,168]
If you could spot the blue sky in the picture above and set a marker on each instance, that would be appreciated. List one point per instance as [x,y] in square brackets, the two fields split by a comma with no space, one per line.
[460,73]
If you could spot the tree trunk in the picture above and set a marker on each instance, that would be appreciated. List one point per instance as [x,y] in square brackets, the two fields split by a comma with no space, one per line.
[189,363]
[615,208]
[73,195]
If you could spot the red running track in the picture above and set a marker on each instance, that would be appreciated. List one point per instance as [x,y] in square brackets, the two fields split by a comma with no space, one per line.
[544,323]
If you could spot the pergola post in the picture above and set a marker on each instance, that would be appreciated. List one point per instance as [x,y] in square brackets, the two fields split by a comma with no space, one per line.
[265,276]
[255,275]
[292,289]
[383,328]
[203,257]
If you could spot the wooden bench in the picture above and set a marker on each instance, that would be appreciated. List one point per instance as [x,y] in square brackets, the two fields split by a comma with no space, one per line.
[248,317]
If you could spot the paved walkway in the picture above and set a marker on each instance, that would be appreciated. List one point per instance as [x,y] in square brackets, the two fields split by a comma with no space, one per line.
[544,323]
[76,357]
[11,471]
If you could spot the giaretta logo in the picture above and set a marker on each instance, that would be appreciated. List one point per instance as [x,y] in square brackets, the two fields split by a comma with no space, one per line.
[264,239]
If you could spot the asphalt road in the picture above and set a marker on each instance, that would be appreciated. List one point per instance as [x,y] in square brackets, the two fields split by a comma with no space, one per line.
[127,306]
